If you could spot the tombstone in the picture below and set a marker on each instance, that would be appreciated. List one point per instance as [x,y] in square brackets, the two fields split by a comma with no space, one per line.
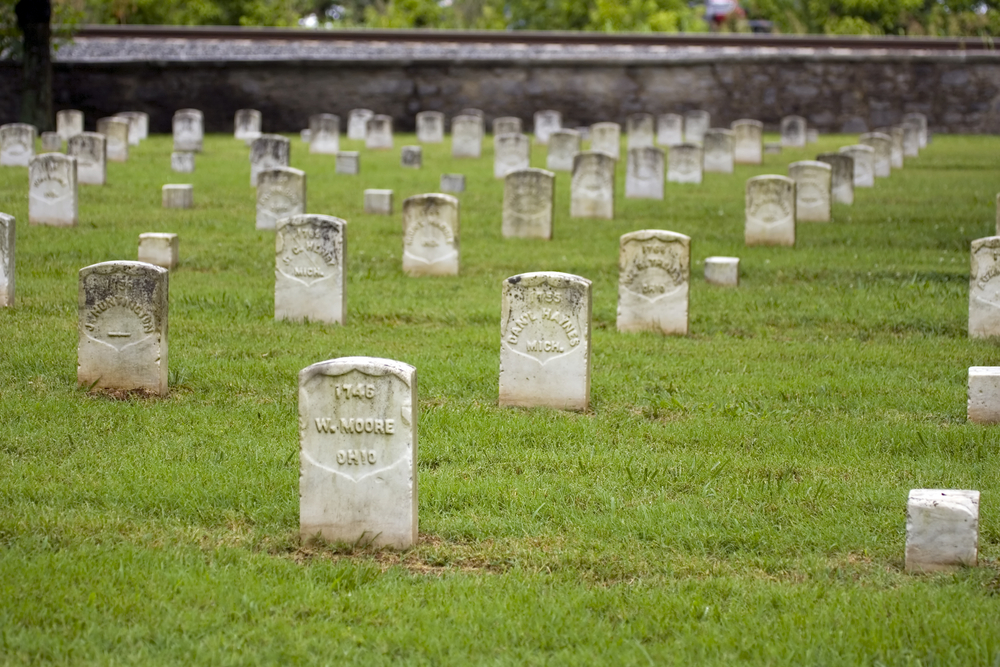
[528,196]
[324,134]
[178,195]
[17,144]
[942,530]
[305,136]
[123,327]
[246,125]
[584,131]
[478,113]
[510,152]
[466,136]
[748,145]
[507,125]
[378,202]
[430,235]
[812,135]
[812,190]
[69,123]
[882,145]
[644,174]
[430,127]
[770,211]
[984,288]
[51,142]
[684,163]
[793,131]
[348,162]
[52,191]
[606,138]
[670,129]
[452,182]
[411,157]
[379,135]
[281,193]
[563,147]
[911,139]
[984,395]
[357,123]
[358,452]
[7,256]
[896,134]
[998,214]
[545,341]
[90,151]
[159,249]
[920,120]
[696,123]
[182,163]
[546,122]
[592,188]
[134,135]
[267,152]
[722,271]
[718,150]
[654,275]
[309,277]
[841,176]
[640,130]
[116,132]
[864,164]
[189,131]
[772,148]
[143,123]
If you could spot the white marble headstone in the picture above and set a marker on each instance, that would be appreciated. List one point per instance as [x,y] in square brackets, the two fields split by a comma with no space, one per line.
[182,163]
[69,123]
[510,152]
[268,151]
[718,145]
[563,147]
[430,127]
[644,174]
[920,120]
[411,157]
[90,151]
[911,139]
[882,145]
[684,163]
[159,249]
[357,123]
[984,395]
[864,164]
[52,190]
[670,129]
[378,201]
[770,211]
[379,135]
[246,124]
[546,122]
[722,271]
[466,136]
[188,129]
[348,162]
[812,190]
[640,130]
[942,530]
[592,188]
[841,176]
[527,203]
[8,237]
[115,131]
[178,195]
[748,138]
[452,182]
[606,138]
[430,235]
[696,123]
[654,276]
[134,120]
[309,271]
[324,134]
[507,125]
[793,131]
[17,144]
[51,142]
[281,193]
[984,288]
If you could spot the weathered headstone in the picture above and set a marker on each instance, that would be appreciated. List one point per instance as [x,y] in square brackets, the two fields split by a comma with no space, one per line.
[696,123]
[654,275]
[116,132]
[507,125]
[812,190]
[718,147]
[545,341]
[748,137]
[52,190]
[592,188]
[378,202]
[644,174]
[90,151]
[942,530]
[546,122]
[357,123]
[984,395]
[51,142]
[309,269]
[984,288]
[606,138]
[864,164]
[188,129]
[841,176]
[267,152]
[772,148]
[324,134]
[17,144]
[466,136]
[527,203]
[793,131]
[281,193]
[921,122]
[8,237]
[358,452]
[159,249]
[182,163]
[430,127]
[134,134]
[411,157]
[563,147]
[684,163]
[348,162]
[640,130]
[430,235]
[69,123]
[911,139]
[882,145]
[452,182]
[246,125]
[123,327]
[722,271]
[510,152]
[379,135]
[178,195]
[770,211]
[670,129]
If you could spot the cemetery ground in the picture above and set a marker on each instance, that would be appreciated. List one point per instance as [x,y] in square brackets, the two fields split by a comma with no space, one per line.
[737,494]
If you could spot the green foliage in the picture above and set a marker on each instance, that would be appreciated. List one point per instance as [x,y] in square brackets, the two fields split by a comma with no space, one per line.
[644,16]
[404,14]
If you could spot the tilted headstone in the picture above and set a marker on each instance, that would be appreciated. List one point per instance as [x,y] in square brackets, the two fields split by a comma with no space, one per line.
[882,145]
[592,188]
[696,123]
[123,327]
[606,138]
[507,125]
[17,144]
[52,190]
[324,134]
[640,130]
[281,193]
[309,256]
[51,142]
[452,182]
[267,152]
[358,452]
[722,271]
[379,135]
[348,162]
[911,139]
[984,288]
[247,124]
[430,127]
[718,146]
[178,195]
[770,211]
[684,163]
[812,190]
[134,135]
[466,136]
[546,122]
[188,129]
[159,249]
[984,395]
[841,176]
[430,235]
[654,276]
[411,157]
[644,174]
[528,196]
[182,163]
[793,131]
[563,147]
[921,122]
[670,129]
[90,151]
[116,132]
[864,164]
[545,341]
[69,123]
[378,201]
[357,123]
[510,152]
[748,138]
[7,255]
[942,530]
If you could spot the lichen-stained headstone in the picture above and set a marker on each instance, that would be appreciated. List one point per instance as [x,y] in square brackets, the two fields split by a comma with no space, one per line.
[527,203]
[545,341]
[411,157]
[324,133]
[864,164]
[90,151]
[793,131]
[7,242]
[309,269]
[123,327]
[430,235]
[466,136]
[510,152]
[268,151]
[685,163]
[640,130]
[592,190]
[52,190]
[606,138]
[670,129]
[357,123]
[644,175]
[507,125]
[812,190]
[696,123]
[654,276]
[189,130]
[69,123]
[984,288]
[841,176]
[430,127]
[770,211]
[379,132]
[246,124]
[748,141]
[882,145]
[17,144]
[546,122]
[115,130]
[563,147]
[358,452]
[718,145]
[281,193]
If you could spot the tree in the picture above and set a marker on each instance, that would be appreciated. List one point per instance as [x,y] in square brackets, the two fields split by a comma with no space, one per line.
[33,19]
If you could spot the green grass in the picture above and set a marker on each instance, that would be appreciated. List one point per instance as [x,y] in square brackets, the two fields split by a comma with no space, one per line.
[735,495]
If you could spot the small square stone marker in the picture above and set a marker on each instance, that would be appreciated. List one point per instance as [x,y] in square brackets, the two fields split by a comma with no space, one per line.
[309,269]
[984,395]
[178,195]
[411,157]
[159,249]
[942,530]
[452,182]
[723,271]
[348,162]
[358,452]
[378,202]
[7,238]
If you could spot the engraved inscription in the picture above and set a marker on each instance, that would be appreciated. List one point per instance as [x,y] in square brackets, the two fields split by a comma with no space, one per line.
[308,253]
[653,268]
[768,203]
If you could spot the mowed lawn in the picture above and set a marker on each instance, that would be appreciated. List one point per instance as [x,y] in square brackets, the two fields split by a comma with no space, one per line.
[734,495]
